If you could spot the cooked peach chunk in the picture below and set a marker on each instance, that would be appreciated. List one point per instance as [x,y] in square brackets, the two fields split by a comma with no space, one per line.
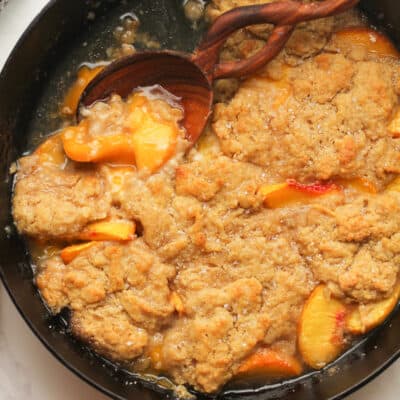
[154,145]
[145,140]
[153,140]
[105,230]
[366,38]
[71,252]
[85,76]
[321,328]
[80,146]
[51,151]
[289,192]
[316,188]
[269,363]
[365,317]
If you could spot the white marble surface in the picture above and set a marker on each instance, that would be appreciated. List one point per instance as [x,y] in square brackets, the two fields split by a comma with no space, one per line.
[27,370]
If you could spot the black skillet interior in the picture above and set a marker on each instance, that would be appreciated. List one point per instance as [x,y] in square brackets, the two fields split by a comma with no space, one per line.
[31,84]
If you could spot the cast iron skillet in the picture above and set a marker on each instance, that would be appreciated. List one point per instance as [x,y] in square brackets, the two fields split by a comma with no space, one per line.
[34,75]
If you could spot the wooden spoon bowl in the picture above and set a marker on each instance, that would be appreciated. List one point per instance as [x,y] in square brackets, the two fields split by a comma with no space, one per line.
[173,71]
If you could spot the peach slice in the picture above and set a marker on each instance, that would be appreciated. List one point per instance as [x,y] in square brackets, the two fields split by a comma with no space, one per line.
[362,37]
[105,230]
[71,252]
[51,151]
[154,145]
[153,140]
[146,141]
[269,363]
[316,188]
[85,76]
[321,328]
[394,125]
[284,194]
[177,302]
[367,316]
[81,147]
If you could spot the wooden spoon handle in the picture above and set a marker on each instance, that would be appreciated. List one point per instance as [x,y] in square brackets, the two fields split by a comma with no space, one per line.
[283,14]
[275,43]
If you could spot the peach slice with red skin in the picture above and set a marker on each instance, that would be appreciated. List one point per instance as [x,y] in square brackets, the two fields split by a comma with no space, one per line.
[316,188]
[270,363]
[321,328]
[365,317]
[69,253]
[291,191]
[108,230]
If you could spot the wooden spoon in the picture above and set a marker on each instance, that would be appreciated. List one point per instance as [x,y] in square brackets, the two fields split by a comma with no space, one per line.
[190,76]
